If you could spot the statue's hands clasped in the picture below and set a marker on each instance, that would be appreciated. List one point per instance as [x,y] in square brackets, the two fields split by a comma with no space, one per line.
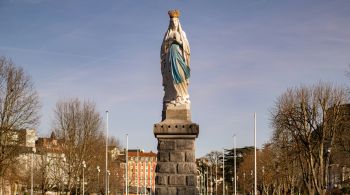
[175,38]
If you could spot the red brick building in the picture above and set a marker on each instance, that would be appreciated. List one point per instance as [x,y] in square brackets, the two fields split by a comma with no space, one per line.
[141,171]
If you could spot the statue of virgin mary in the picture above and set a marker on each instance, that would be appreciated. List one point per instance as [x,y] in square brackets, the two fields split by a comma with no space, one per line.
[175,63]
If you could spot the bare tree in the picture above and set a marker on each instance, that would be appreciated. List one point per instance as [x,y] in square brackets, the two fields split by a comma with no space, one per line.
[19,105]
[310,116]
[79,125]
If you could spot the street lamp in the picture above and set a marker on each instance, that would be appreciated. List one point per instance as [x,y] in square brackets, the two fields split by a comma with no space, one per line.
[235,163]
[207,173]
[211,178]
[137,172]
[31,176]
[200,182]
[244,182]
[216,175]
[233,185]
[106,149]
[126,166]
[255,173]
[84,166]
[108,174]
[98,178]
[62,168]
[223,171]
[144,171]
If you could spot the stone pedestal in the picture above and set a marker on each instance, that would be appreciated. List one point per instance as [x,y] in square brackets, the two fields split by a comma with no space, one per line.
[176,163]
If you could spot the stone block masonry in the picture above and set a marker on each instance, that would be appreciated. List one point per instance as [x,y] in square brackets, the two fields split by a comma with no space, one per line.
[176,163]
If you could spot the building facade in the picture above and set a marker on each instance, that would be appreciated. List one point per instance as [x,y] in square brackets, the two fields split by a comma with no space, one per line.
[141,171]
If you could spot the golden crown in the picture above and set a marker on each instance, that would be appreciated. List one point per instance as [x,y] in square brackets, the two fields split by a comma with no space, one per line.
[174,13]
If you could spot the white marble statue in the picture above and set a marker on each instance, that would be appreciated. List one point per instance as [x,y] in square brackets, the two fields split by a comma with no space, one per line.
[175,63]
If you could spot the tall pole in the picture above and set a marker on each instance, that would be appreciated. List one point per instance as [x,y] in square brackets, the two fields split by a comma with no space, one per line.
[106,179]
[137,176]
[109,173]
[211,179]
[98,179]
[83,181]
[255,173]
[126,166]
[216,175]
[207,180]
[31,176]
[235,162]
[144,170]
[84,165]
[200,182]
[223,171]
[150,179]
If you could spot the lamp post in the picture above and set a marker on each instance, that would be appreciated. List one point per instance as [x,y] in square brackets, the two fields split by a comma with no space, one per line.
[145,180]
[207,173]
[106,149]
[216,175]
[126,166]
[98,178]
[137,172]
[327,178]
[253,186]
[84,166]
[223,171]
[211,179]
[151,177]
[235,163]
[232,185]
[263,175]
[243,182]
[64,164]
[31,172]
[200,182]
[108,174]
[204,181]
[255,173]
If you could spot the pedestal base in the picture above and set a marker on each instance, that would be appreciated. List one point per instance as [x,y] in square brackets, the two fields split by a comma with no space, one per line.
[176,172]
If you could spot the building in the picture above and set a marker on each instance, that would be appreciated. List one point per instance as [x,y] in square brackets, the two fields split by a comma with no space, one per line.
[49,144]
[141,171]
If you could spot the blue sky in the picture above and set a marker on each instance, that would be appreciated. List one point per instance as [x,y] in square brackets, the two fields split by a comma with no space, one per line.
[244,54]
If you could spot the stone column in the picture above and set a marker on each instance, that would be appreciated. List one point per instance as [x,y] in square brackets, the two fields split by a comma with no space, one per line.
[176,163]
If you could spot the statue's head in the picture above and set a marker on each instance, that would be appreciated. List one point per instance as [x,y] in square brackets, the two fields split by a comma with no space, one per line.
[174,18]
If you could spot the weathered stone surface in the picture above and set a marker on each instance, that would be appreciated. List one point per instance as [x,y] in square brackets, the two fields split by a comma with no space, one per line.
[166,191]
[186,168]
[166,144]
[186,191]
[163,156]
[175,127]
[185,144]
[191,180]
[178,114]
[181,191]
[177,180]
[190,156]
[161,180]
[166,167]
[177,156]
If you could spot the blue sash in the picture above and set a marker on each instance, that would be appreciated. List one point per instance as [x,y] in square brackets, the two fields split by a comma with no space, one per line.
[177,60]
